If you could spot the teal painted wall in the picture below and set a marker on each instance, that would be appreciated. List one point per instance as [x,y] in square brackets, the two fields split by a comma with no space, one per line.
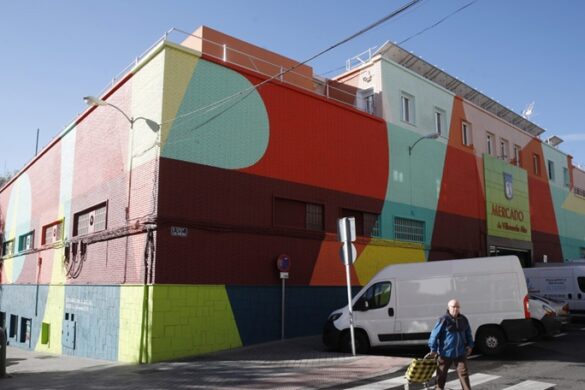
[415,179]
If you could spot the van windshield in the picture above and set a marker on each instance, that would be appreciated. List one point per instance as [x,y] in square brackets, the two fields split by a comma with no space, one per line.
[581,281]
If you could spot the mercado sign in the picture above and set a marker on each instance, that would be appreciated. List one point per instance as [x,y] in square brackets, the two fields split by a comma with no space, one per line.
[507,205]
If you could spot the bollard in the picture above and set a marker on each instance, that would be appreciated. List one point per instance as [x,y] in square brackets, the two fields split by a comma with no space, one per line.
[2,353]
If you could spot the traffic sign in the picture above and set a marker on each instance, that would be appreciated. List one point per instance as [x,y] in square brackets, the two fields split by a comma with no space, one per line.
[348,256]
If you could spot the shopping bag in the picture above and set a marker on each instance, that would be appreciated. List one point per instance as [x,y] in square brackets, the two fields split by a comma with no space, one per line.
[421,370]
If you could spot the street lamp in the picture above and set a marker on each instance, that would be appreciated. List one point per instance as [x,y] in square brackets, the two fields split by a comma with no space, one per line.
[428,136]
[93,101]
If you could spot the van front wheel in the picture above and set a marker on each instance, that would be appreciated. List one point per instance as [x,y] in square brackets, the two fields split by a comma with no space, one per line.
[490,341]
[362,343]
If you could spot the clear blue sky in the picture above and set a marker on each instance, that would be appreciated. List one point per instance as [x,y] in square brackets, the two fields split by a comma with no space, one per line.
[55,52]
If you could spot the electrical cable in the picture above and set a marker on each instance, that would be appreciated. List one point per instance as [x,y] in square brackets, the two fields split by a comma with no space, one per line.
[249,90]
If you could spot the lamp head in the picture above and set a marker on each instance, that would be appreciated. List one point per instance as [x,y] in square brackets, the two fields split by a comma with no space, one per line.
[93,101]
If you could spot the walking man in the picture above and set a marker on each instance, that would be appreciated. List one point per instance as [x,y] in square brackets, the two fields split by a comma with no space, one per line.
[451,339]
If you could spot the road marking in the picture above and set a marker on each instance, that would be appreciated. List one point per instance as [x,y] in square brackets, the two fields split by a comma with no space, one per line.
[525,344]
[582,329]
[385,384]
[473,356]
[531,385]
[560,334]
[475,379]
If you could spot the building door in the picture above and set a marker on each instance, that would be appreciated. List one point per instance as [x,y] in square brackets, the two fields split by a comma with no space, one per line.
[524,255]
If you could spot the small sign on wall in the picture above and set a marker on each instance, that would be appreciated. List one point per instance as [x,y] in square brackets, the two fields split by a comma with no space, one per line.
[177,231]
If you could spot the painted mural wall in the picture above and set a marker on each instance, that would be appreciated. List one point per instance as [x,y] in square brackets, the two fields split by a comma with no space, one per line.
[61,287]
[199,210]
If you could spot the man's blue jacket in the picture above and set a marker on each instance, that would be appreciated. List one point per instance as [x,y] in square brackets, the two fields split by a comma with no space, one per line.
[451,336]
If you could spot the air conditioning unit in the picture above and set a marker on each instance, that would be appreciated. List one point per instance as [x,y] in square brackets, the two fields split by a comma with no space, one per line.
[91,222]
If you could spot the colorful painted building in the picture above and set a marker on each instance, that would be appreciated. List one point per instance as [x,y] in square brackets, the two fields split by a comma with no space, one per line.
[149,228]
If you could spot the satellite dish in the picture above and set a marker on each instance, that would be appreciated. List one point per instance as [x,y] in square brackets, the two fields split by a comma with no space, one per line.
[528,111]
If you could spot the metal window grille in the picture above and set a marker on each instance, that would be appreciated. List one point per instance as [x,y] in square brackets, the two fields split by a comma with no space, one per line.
[579,191]
[372,225]
[8,248]
[25,242]
[409,230]
[53,233]
[92,220]
[314,217]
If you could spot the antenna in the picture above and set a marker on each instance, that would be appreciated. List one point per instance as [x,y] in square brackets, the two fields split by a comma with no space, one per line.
[528,111]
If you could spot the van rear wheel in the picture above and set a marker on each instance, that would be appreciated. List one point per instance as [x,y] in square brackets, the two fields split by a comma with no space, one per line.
[362,343]
[491,341]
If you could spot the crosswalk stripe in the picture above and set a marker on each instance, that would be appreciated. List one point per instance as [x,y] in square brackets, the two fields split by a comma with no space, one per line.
[385,384]
[531,385]
[475,379]
[525,344]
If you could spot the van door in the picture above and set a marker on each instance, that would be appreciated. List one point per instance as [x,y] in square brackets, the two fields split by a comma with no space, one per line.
[375,311]
[577,305]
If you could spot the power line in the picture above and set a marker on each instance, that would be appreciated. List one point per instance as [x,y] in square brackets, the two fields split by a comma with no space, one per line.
[438,22]
[249,90]
[419,32]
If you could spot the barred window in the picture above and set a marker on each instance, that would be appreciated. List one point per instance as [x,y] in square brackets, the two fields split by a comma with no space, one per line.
[26,241]
[52,233]
[299,215]
[91,220]
[409,230]
[372,226]
[8,248]
[314,216]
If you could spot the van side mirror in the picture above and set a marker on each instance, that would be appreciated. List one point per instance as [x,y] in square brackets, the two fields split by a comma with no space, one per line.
[361,305]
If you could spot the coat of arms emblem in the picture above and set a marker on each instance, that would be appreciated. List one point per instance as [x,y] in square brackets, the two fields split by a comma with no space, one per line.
[508,186]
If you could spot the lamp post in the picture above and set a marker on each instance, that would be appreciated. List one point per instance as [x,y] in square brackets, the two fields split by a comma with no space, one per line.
[410,148]
[93,101]
[155,127]
[428,136]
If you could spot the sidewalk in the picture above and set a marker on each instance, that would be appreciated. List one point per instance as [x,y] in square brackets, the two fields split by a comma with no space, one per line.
[300,363]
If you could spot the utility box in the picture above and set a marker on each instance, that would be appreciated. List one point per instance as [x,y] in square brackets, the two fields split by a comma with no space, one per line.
[69,327]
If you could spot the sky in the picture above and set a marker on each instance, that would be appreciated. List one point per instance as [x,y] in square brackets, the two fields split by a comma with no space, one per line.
[515,51]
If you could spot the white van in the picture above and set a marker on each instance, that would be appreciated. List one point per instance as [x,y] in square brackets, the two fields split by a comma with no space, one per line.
[402,303]
[565,282]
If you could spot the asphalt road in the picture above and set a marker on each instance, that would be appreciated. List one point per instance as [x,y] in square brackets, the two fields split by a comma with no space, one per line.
[547,363]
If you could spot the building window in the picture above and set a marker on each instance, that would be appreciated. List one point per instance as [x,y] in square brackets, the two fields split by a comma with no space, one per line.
[367,100]
[406,229]
[26,241]
[314,217]
[466,133]
[366,224]
[407,104]
[517,160]
[90,220]
[52,233]
[439,121]
[579,191]
[298,215]
[504,149]
[490,143]
[372,226]
[536,164]
[13,331]
[551,170]
[566,177]
[8,248]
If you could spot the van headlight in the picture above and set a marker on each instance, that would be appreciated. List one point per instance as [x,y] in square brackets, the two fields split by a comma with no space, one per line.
[334,316]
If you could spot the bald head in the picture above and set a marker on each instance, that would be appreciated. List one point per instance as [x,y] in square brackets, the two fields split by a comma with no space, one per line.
[453,307]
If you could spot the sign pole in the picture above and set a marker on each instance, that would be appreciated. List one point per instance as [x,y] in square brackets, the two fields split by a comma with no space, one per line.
[346,233]
[283,265]
[282,312]
[350,308]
